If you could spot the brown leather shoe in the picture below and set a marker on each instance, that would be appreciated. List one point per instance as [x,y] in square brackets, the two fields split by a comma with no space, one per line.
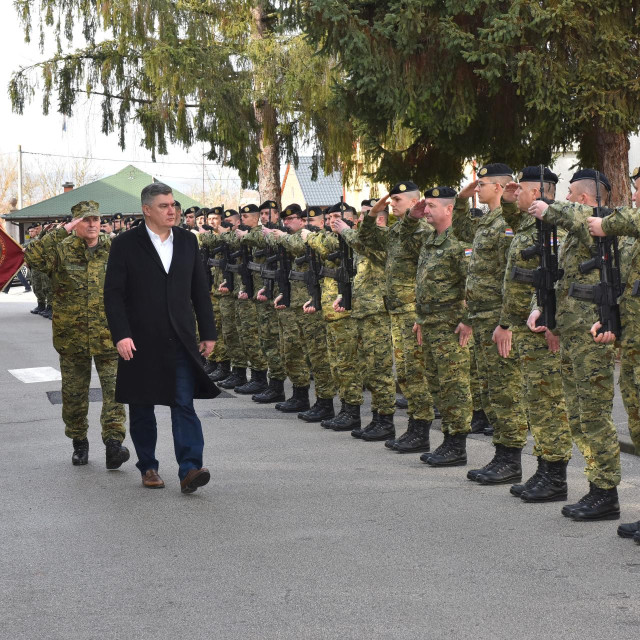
[194,479]
[152,480]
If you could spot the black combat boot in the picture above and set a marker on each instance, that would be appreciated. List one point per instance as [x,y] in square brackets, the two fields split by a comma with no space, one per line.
[116,454]
[629,530]
[210,366]
[602,504]
[473,474]
[517,489]
[321,410]
[257,384]
[47,313]
[508,469]
[299,401]
[39,309]
[418,440]
[392,442]
[348,419]
[552,485]
[221,372]
[383,429]
[357,433]
[568,509]
[273,393]
[451,453]
[237,377]
[636,537]
[479,421]
[80,452]
[401,401]
[343,415]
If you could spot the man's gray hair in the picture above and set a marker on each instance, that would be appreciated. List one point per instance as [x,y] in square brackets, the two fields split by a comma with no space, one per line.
[154,189]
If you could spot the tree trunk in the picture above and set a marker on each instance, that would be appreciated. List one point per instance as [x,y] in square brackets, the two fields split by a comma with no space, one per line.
[269,166]
[612,153]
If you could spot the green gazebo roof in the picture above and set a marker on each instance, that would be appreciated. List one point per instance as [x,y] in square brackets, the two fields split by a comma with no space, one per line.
[119,193]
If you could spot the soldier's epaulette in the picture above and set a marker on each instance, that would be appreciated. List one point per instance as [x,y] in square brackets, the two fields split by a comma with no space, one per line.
[508,232]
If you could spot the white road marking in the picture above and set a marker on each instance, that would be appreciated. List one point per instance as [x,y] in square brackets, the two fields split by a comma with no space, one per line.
[36,374]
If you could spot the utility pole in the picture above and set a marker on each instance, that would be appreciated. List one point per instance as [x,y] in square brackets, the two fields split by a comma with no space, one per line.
[19,176]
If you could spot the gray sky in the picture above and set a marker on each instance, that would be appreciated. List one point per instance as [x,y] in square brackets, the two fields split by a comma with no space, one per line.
[37,133]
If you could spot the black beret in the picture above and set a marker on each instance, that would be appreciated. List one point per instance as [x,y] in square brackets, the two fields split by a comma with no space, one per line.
[292,210]
[366,203]
[337,208]
[229,212]
[494,170]
[314,212]
[441,192]
[130,219]
[532,174]
[33,225]
[636,173]
[268,204]
[191,210]
[135,223]
[217,210]
[117,216]
[590,174]
[177,205]
[250,208]
[204,211]
[401,187]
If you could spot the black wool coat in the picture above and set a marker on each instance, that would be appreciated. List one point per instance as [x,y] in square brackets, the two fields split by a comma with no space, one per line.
[156,310]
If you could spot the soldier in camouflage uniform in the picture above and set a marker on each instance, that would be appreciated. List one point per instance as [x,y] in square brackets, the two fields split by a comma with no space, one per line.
[76,263]
[227,301]
[587,368]
[490,237]
[441,324]
[37,277]
[304,330]
[625,221]
[375,368]
[538,353]
[268,325]
[400,301]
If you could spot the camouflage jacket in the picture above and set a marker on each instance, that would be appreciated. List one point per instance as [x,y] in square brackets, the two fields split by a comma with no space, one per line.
[625,221]
[400,265]
[77,281]
[573,314]
[441,275]
[256,242]
[367,293]
[294,244]
[211,241]
[490,237]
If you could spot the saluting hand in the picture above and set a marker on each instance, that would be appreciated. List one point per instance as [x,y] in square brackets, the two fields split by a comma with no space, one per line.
[469,190]
[125,346]
[379,206]
[509,193]
[419,209]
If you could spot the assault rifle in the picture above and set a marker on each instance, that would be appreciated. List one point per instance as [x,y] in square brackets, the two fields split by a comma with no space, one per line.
[344,274]
[607,260]
[242,268]
[311,277]
[547,274]
[280,275]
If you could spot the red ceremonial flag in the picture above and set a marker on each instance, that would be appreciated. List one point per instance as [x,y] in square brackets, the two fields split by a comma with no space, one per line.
[11,258]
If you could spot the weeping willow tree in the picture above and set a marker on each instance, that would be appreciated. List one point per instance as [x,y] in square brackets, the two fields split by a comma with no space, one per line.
[234,75]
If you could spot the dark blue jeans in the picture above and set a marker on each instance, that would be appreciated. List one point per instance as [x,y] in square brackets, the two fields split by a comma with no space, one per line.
[188,441]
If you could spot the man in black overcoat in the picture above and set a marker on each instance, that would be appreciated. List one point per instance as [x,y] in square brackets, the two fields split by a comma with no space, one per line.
[155,283]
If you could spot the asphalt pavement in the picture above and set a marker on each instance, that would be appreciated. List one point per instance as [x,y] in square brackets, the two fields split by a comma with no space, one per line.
[301,533]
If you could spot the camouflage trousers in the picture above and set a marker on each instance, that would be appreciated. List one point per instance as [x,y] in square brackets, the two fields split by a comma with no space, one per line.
[479,384]
[305,334]
[587,380]
[247,320]
[342,344]
[447,364]
[219,352]
[504,384]
[630,387]
[235,352]
[41,285]
[76,377]
[405,347]
[270,343]
[544,395]
[376,362]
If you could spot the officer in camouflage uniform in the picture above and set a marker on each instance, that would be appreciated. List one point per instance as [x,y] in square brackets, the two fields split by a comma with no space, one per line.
[37,277]
[76,264]
[400,301]
[304,330]
[626,222]
[587,367]
[538,353]
[375,366]
[268,325]
[442,327]
[227,301]
[490,237]
[246,312]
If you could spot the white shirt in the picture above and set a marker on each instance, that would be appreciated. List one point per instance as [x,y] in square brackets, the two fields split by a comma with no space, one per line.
[164,249]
